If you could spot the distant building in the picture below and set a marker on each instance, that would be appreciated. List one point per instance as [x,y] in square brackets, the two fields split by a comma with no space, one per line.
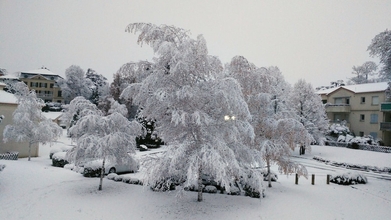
[44,83]
[363,107]
[8,104]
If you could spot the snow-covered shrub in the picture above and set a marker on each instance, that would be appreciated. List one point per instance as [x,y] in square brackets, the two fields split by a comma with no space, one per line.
[92,172]
[165,185]
[337,129]
[210,189]
[58,159]
[234,191]
[349,178]
[62,149]
[2,166]
[118,178]
[69,166]
[111,176]
[143,147]
[273,175]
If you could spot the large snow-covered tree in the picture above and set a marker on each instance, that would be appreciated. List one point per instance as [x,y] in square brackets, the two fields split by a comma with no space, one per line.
[310,110]
[103,137]
[75,84]
[189,99]
[29,125]
[381,47]
[129,73]
[277,132]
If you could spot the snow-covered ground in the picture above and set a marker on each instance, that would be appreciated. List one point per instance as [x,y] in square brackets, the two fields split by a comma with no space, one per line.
[36,190]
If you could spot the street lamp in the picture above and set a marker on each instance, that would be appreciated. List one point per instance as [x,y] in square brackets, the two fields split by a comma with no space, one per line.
[228,117]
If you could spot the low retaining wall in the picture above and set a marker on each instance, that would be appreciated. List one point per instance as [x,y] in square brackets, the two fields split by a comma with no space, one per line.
[383,149]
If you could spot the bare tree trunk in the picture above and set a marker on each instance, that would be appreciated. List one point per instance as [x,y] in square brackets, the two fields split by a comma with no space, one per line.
[102,174]
[199,183]
[268,171]
[29,151]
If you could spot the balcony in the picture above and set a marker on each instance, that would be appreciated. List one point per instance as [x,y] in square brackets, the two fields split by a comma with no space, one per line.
[337,108]
[385,126]
[42,96]
[385,107]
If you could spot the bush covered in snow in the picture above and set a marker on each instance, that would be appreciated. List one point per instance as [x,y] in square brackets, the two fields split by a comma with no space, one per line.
[2,166]
[349,178]
[337,129]
[354,142]
[58,159]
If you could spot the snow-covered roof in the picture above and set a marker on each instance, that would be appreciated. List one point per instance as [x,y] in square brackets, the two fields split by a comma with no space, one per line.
[360,88]
[6,97]
[40,71]
[9,77]
[52,115]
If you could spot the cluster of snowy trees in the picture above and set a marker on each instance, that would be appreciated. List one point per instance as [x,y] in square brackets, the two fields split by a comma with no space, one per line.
[218,120]
[90,85]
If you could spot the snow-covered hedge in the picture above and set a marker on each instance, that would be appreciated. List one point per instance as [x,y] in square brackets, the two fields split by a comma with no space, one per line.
[349,178]
[62,149]
[354,166]
[58,159]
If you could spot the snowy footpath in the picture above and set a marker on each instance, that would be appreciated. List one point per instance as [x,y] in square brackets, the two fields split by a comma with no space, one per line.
[36,190]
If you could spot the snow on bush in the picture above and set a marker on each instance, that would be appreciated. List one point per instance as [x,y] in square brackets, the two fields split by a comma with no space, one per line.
[111,176]
[2,166]
[234,191]
[118,178]
[338,128]
[58,159]
[367,139]
[69,166]
[210,189]
[349,178]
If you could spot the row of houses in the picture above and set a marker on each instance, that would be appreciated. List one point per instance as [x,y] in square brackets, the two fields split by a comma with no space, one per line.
[365,108]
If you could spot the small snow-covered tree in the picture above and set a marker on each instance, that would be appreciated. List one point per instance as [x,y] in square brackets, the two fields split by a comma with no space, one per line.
[29,125]
[103,137]
[189,99]
[75,84]
[310,110]
[276,130]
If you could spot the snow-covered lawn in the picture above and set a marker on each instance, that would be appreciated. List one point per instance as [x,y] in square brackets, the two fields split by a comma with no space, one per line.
[36,190]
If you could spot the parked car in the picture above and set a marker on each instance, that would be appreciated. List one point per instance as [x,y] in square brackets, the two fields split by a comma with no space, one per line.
[93,168]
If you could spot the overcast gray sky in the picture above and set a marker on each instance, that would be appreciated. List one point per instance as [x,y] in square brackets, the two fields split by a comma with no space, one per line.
[318,41]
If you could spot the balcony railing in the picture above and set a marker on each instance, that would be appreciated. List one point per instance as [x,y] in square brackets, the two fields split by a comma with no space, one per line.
[45,95]
[385,107]
[337,108]
[385,126]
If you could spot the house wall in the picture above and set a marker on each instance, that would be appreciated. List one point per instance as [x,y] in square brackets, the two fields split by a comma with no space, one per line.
[21,147]
[357,109]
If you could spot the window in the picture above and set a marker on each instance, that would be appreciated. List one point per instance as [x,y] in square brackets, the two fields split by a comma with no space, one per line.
[374,119]
[361,134]
[362,117]
[374,135]
[362,100]
[338,101]
[51,85]
[347,101]
[59,94]
[375,100]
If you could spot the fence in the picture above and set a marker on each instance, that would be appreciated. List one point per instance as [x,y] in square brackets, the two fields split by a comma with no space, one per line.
[376,148]
[9,156]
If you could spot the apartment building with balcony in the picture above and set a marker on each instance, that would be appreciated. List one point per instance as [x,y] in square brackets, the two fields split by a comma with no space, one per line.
[364,107]
[44,82]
